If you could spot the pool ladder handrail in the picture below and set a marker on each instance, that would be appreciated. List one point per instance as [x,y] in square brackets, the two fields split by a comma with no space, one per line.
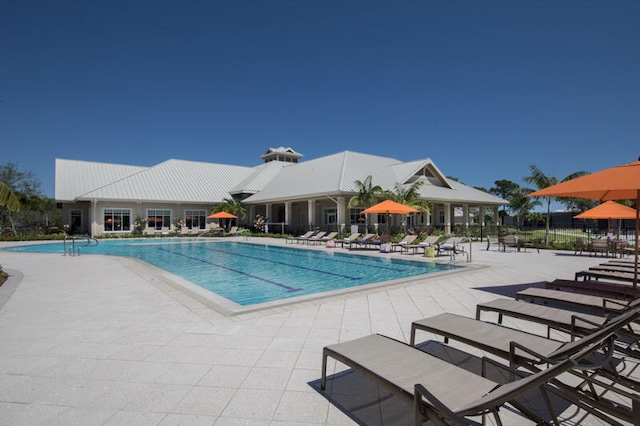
[72,250]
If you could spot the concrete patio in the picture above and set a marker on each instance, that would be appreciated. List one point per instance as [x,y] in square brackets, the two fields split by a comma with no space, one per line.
[99,340]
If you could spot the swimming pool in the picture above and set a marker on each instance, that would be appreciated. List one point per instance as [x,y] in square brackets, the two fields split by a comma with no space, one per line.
[250,273]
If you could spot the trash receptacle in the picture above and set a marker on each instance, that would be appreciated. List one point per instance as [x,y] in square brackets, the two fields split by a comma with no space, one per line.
[429,252]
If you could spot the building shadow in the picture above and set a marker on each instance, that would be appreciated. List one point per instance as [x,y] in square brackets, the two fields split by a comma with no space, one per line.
[510,290]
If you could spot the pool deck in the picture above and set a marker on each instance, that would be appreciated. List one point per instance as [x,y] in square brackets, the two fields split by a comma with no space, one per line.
[100,340]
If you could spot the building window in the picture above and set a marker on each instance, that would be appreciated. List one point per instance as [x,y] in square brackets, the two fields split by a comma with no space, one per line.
[195,219]
[76,221]
[159,219]
[117,220]
[330,216]
[356,217]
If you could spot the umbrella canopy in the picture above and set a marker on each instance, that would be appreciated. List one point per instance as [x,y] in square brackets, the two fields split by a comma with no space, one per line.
[617,183]
[222,215]
[608,210]
[390,207]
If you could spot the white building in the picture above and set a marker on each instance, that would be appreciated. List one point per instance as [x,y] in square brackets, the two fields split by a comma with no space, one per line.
[101,198]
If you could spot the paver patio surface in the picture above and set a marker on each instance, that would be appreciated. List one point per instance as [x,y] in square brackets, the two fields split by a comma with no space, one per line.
[107,341]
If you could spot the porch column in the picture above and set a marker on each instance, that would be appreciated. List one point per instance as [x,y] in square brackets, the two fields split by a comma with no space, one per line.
[311,212]
[342,213]
[496,216]
[94,224]
[287,213]
[267,213]
[447,218]
[465,214]
[482,214]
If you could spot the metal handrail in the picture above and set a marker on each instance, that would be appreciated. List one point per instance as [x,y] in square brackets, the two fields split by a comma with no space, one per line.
[74,238]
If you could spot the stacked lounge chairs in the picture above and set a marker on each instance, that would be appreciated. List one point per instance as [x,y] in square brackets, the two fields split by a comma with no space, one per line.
[446,394]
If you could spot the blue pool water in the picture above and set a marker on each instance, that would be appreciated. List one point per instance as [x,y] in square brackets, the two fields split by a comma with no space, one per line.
[249,274]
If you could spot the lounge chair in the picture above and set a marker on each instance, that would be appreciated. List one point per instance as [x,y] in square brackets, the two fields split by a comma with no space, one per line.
[439,391]
[300,237]
[452,246]
[328,237]
[509,241]
[430,241]
[233,231]
[404,243]
[596,288]
[348,240]
[600,245]
[597,304]
[361,242]
[609,275]
[315,237]
[611,267]
[376,243]
[492,242]
[580,246]
[554,318]
[530,351]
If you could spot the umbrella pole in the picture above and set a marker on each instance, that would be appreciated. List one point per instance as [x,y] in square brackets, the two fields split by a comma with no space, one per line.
[635,260]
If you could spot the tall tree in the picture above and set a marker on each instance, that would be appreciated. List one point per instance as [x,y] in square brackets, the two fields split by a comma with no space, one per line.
[22,184]
[20,181]
[9,203]
[368,193]
[232,206]
[541,181]
[409,195]
[507,190]
[520,205]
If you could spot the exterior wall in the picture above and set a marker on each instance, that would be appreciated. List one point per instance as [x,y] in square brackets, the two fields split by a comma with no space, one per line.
[93,222]
[307,214]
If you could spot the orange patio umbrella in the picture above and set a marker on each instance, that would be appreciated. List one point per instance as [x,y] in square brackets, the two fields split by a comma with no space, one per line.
[389,207]
[222,215]
[616,183]
[608,210]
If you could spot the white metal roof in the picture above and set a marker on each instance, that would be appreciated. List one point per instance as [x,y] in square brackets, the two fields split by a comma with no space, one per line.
[74,178]
[175,181]
[180,181]
[259,178]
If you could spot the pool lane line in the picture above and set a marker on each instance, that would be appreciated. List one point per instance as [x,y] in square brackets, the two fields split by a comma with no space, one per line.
[286,287]
[319,255]
[351,278]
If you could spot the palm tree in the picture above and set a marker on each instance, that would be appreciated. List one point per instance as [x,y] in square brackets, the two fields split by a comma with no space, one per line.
[9,201]
[232,206]
[410,196]
[541,181]
[368,193]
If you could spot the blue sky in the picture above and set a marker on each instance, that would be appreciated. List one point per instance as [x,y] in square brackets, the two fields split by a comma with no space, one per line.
[483,88]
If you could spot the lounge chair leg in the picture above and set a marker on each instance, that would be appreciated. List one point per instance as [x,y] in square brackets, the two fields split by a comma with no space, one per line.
[323,382]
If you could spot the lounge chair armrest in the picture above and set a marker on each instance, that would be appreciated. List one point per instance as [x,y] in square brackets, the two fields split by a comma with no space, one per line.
[621,303]
[575,320]
[486,360]
[610,343]
[420,392]
[515,345]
